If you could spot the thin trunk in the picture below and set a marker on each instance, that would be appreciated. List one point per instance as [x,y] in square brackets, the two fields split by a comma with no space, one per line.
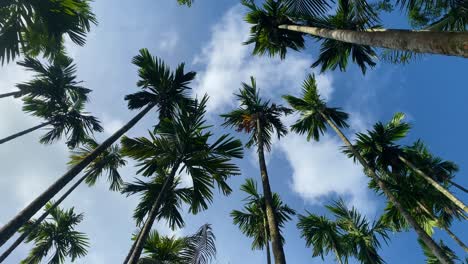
[370,172]
[276,245]
[24,132]
[435,184]
[39,220]
[458,186]
[129,254]
[14,94]
[267,240]
[338,256]
[445,43]
[451,234]
[23,216]
[140,242]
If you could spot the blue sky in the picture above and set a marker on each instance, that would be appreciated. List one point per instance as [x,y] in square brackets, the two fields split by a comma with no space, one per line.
[208,36]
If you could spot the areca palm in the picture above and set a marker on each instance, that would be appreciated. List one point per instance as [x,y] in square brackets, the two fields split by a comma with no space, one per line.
[182,144]
[55,80]
[161,88]
[350,32]
[35,27]
[261,119]
[350,234]
[315,116]
[56,237]
[198,248]
[431,259]
[379,148]
[253,222]
[107,163]
[65,118]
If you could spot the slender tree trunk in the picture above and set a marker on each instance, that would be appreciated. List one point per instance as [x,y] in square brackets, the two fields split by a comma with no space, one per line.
[24,132]
[370,172]
[445,43]
[14,94]
[23,216]
[435,184]
[458,186]
[39,220]
[338,256]
[440,225]
[276,245]
[267,240]
[129,254]
[140,242]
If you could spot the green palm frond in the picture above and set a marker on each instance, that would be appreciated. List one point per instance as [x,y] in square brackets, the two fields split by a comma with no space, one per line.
[432,259]
[201,247]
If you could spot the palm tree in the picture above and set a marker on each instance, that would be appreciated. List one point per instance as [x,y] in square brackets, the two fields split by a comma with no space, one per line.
[315,115]
[378,147]
[185,2]
[431,259]
[108,162]
[35,27]
[351,234]
[58,234]
[199,248]
[56,80]
[261,119]
[182,143]
[252,221]
[349,32]
[162,89]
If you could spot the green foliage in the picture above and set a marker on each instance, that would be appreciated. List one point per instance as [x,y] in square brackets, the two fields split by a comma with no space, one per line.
[108,162]
[350,235]
[265,34]
[36,27]
[432,259]
[198,248]
[313,111]
[185,2]
[252,221]
[256,117]
[56,237]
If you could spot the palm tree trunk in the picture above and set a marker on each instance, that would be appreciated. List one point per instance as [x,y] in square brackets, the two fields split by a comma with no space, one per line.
[435,184]
[267,240]
[129,254]
[451,234]
[24,132]
[445,43]
[39,220]
[14,94]
[370,172]
[276,245]
[458,186]
[140,241]
[23,216]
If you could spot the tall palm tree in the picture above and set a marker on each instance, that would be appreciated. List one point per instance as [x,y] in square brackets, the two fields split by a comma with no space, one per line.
[56,237]
[35,27]
[345,33]
[431,259]
[261,119]
[350,234]
[162,89]
[182,144]
[315,115]
[378,147]
[108,162]
[252,221]
[65,118]
[55,80]
[199,248]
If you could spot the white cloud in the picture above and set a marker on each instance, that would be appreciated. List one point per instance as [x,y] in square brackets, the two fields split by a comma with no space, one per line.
[168,40]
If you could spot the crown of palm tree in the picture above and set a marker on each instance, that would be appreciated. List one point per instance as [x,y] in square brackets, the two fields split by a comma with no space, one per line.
[55,81]
[265,34]
[311,107]
[38,26]
[166,89]
[254,111]
[251,220]
[56,234]
[66,117]
[198,248]
[108,162]
[183,144]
